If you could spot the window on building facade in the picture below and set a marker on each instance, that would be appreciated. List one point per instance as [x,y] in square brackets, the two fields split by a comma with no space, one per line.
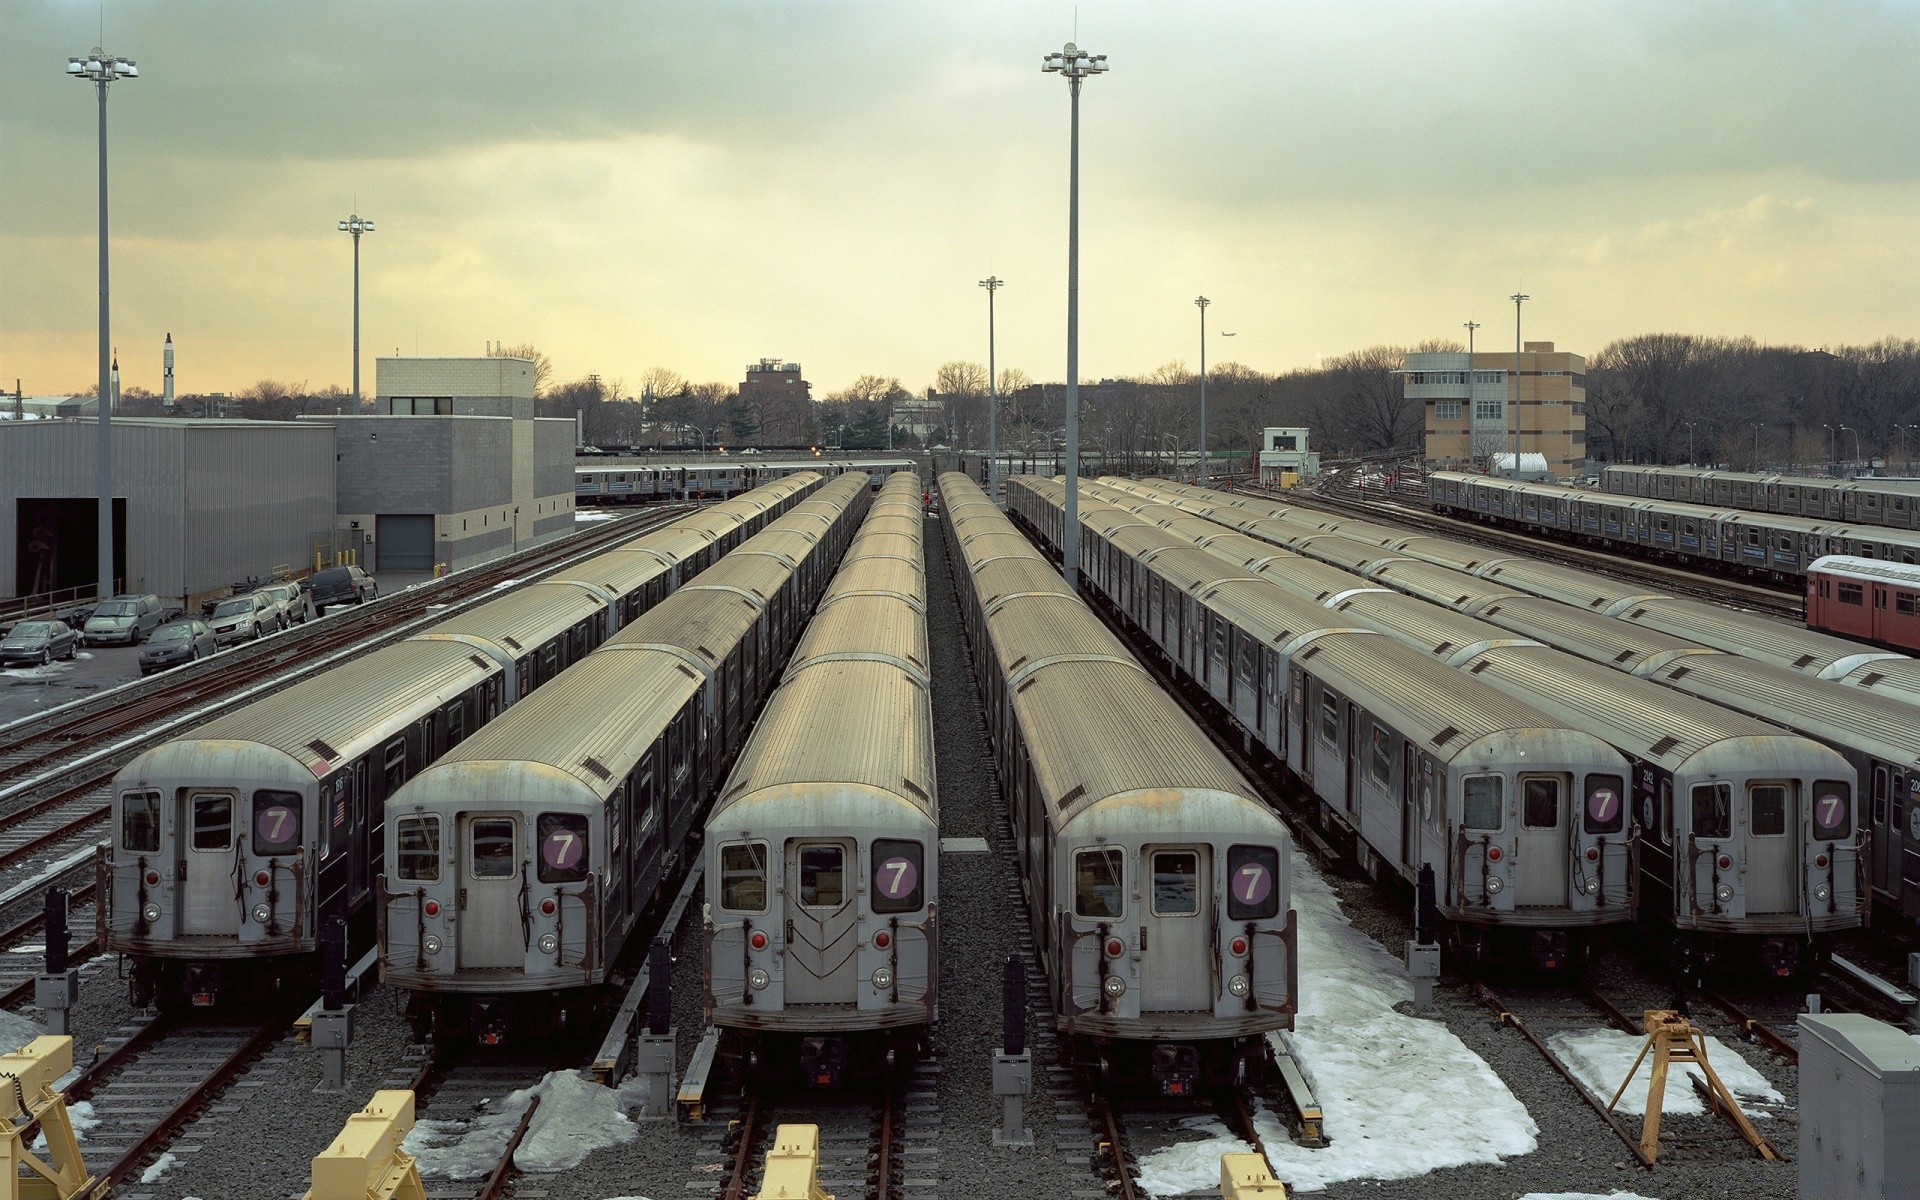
[1489,376]
[1446,410]
[1489,410]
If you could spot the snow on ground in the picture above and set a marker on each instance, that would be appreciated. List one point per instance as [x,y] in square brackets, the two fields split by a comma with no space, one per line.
[575,1118]
[160,1167]
[47,672]
[1586,1195]
[1390,1086]
[1600,1057]
[581,516]
[16,1031]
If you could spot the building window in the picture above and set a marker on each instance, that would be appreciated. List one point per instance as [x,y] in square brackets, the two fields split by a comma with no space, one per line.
[1489,376]
[1447,410]
[1489,410]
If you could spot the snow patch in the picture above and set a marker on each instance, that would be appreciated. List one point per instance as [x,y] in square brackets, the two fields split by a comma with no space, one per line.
[575,1118]
[582,516]
[1601,1057]
[160,1167]
[46,672]
[1390,1085]
[1586,1195]
[16,1031]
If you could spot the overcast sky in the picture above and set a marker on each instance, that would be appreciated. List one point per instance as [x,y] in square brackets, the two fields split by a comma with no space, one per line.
[630,183]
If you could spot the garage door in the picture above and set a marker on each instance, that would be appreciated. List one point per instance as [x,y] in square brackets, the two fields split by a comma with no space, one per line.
[404,543]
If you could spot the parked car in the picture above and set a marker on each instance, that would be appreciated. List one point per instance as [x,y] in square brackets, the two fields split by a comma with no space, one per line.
[126,618]
[183,641]
[241,618]
[38,642]
[341,585]
[76,618]
[291,602]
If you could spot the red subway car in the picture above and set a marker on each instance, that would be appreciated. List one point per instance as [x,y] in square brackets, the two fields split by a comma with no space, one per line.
[1865,598]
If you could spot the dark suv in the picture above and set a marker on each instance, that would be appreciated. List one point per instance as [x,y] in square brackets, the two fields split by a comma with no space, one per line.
[341,585]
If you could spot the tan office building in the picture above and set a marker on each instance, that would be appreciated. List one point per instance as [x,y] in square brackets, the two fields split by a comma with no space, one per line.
[1472,408]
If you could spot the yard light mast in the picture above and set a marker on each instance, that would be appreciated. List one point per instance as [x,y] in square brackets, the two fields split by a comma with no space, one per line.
[1518,299]
[992,283]
[1201,303]
[356,225]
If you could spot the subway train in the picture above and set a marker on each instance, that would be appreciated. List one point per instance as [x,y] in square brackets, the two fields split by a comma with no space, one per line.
[637,483]
[1409,763]
[1894,503]
[1766,545]
[1157,883]
[521,863]
[822,851]
[1749,843]
[231,847]
[1865,598]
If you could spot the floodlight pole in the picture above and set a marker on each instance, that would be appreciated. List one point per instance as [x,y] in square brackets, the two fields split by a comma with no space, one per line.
[1517,299]
[1076,64]
[993,284]
[356,225]
[1201,303]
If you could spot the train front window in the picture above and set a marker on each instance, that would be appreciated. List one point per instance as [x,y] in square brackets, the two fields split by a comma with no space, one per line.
[1481,802]
[563,847]
[1176,883]
[823,875]
[1713,810]
[276,822]
[1540,803]
[417,845]
[1097,882]
[1767,806]
[492,848]
[743,877]
[1832,810]
[212,821]
[1253,883]
[140,821]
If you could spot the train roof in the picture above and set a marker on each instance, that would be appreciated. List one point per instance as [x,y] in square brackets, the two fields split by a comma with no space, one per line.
[1580,589]
[353,705]
[1867,570]
[619,570]
[593,722]
[880,737]
[1030,630]
[1748,634]
[1003,577]
[1442,585]
[1884,725]
[526,616]
[879,573]
[1622,646]
[1438,630]
[876,625]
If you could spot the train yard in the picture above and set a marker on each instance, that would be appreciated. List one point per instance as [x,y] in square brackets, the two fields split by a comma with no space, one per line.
[1306,1046]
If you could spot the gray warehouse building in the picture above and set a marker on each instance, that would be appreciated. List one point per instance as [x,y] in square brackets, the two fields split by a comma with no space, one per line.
[198,504]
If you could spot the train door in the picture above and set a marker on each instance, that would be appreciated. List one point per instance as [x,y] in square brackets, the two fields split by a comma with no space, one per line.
[821,917]
[1541,850]
[490,918]
[207,862]
[1773,847]
[1409,808]
[1353,759]
[357,813]
[1910,846]
[1886,860]
[1176,947]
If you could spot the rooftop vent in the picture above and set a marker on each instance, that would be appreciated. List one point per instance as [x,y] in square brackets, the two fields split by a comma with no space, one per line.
[1663,745]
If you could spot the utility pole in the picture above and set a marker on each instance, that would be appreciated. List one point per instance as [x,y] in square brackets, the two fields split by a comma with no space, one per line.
[1201,304]
[1517,300]
[993,284]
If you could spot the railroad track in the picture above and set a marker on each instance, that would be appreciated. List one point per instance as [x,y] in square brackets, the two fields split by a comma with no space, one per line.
[1677,581]
[19,968]
[461,1091]
[33,748]
[865,1137]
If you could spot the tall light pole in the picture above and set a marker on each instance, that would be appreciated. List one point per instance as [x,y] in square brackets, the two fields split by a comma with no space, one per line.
[1690,425]
[101,69]
[1856,441]
[1757,427]
[1201,304]
[1076,64]
[1833,446]
[1470,326]
[992,283]
[356,225]
[1517,301]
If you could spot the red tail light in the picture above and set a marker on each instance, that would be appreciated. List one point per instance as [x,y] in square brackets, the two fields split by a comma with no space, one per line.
[1115,948]
[758,941]
[1593,854]
[1493,854]
[1820,860]
[882,940]
[1239,947]
[431,908]
[1726,863]
[262,878]
[546,907]
[153,879]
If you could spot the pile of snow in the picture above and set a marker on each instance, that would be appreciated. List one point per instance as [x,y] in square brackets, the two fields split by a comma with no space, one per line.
[1390,1086]
[46,672]
[160,1167]
[16,1031]
[575,1118]
[1601,1057]
[581,515]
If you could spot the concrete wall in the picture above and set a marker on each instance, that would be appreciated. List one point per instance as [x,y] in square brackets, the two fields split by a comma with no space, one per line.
[470,378]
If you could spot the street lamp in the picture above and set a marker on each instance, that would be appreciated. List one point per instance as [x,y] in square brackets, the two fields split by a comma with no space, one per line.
[101,69]
[1690,425]
[1076,64]
[1856,442]
[1833,448]
[1175,473]
[992,283]
[1757,427]
[356,225]
[1201,304]
[1517,299]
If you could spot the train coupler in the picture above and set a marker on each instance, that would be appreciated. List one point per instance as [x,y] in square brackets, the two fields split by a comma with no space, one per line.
[487,1018]
[1549,949]
[1780,957]
[824,1061]
[200,984]
[1176,1069]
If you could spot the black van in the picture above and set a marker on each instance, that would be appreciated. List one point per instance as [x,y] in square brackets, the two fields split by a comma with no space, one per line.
[341,585]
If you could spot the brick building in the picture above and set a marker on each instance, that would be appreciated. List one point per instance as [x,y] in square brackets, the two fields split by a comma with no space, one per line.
[1475,411]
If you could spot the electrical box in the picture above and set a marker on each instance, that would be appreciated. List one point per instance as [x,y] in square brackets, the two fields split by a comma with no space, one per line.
[1859,1108]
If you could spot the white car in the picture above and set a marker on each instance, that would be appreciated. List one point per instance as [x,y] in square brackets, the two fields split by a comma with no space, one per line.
[242,618]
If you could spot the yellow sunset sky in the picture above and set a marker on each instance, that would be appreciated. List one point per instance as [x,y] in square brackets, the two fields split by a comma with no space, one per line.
[697,185]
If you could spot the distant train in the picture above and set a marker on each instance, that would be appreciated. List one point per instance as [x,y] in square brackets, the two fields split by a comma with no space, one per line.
[230,848]
[1894,503]
[1768,545]
[520,864]
[1158,884]
[1865,598]
[638,484]
[823,849]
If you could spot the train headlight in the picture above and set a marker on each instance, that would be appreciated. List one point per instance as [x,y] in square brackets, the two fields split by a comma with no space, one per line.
[1821,891]
[1495,885]
[262,913]
[883,978]
[432,944]
[1590,887]
[1114,986]
[1723,893]
[151,912]
[548,943]
[1239,986]
[758,979]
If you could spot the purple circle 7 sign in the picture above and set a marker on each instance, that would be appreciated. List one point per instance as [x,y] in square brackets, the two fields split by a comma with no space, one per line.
[562,849]
[896,877]
[273,825]
[1829,810]
[1602,804]
[1252,883]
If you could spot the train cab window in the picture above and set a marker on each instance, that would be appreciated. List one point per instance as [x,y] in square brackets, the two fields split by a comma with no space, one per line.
[212,821]
[492,848]
[1176,883]
[1380,754]
[1606,804]
[897,875]
[1253,883]
[1880,797]
[1540,803]
[743,877]
[563,847]
[140,821]
[1329,718]
[1767,809]
[1832,810]
[276,822]
[1482,802]
[1850,593]
[1713,810]
[1098,880]
[417,842]
[823,876]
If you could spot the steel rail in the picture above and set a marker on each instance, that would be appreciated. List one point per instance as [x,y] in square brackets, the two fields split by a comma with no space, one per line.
[1111,1146]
